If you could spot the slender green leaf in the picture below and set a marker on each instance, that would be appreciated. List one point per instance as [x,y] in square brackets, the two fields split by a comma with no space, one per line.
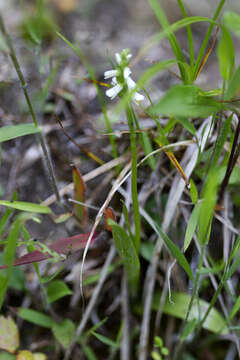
[233,268]
[193,192]
[14,131]
[49,278]
[176,252]
[93,328]
[26,206]
[208,205]
[127,253]
[221,139]
[56,290]
[35,317]
[127,222]
[191,227]
[235,309]
[105,340]
[188,329]
[94,278]
[226,57]
[88,351]
[235,248]
[171,36]
[202,51]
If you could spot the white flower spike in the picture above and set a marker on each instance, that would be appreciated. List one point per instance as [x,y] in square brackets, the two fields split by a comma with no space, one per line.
[121,80]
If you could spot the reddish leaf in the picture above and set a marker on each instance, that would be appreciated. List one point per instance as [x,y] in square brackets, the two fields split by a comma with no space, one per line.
[62,246]
[79,191]
[109,214]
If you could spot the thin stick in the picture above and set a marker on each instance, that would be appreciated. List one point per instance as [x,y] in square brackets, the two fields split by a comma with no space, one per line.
[80,147]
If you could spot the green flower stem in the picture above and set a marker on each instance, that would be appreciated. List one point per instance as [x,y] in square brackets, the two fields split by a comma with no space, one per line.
[133,140]
[16,64]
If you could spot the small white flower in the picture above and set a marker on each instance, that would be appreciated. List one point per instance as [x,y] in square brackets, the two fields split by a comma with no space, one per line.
[114,81]
[118,58]
[126,73]
[114,91]
[130,83]
[110,73]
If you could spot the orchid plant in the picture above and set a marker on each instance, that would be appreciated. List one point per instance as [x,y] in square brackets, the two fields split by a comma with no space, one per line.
[122,84]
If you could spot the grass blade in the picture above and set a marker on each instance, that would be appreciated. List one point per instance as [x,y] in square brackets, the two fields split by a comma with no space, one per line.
[127,253]
[176,252]
[14,131]
[26,206]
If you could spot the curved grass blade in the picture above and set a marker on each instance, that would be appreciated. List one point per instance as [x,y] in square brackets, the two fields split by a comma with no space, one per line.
[175,251]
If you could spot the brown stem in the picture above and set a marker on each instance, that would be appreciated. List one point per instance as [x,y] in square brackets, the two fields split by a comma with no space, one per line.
[231,163]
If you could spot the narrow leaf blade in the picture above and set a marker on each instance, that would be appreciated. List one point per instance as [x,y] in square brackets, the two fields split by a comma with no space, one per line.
[14,131]
[26,206]
[176,252]
[35,317]
[127,253]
